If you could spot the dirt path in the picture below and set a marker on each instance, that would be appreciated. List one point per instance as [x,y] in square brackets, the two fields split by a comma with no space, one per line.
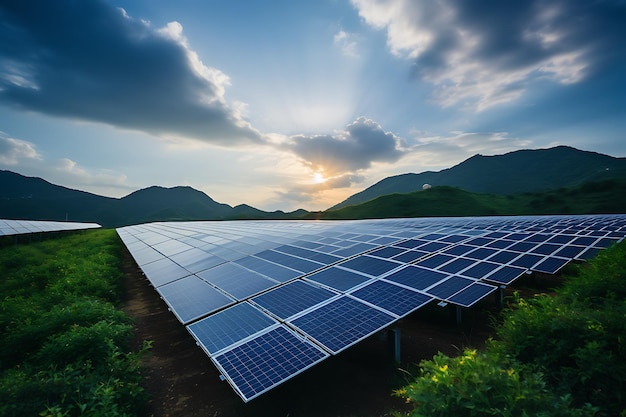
[182,380]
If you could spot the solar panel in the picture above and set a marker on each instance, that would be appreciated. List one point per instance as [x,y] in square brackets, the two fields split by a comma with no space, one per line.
[449,287]
[229,326]
[268,299]
[369,265]
[550,265]
[337,278]
[190,298]
[269,269]
[292,299]
[417,277]
[164,271]
[260,364]
[18,227]
[236,280]
[470,295]
[397,300]
[342,323]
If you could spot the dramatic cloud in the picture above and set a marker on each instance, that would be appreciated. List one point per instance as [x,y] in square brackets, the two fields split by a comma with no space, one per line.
[87,60]
[338,157]
[13,151]
[481,53]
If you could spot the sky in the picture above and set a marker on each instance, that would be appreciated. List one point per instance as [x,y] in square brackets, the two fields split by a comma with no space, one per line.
[289,104]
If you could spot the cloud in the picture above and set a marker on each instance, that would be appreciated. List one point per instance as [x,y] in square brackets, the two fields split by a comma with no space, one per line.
[445,151]
[22,156]
[13,151]
[482,53]
[87,60]
[346,43]
[339,156]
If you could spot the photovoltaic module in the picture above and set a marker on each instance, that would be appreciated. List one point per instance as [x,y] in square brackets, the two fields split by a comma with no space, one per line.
[267,300]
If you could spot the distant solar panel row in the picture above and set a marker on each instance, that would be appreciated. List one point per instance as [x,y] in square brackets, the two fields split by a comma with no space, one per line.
[19,227]
[268,299]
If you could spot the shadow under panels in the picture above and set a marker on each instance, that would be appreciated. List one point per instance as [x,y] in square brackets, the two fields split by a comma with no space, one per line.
[267,300]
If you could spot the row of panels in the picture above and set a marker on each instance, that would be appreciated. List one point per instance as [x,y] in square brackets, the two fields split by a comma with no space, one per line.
[19,227]
[320,287]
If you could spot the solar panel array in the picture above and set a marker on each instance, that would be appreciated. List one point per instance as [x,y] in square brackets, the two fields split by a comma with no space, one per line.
[267,300]
[19,227]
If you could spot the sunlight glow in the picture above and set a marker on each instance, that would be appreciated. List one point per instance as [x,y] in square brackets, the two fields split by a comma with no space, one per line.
[318,178]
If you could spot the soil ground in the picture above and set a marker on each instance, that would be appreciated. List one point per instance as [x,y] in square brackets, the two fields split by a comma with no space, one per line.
[182,381]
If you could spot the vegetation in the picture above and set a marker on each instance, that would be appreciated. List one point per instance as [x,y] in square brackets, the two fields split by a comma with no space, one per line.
[592,198]
[561,355]
[65,347]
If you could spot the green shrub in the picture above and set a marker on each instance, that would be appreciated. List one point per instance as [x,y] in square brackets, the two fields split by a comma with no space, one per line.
[483,384]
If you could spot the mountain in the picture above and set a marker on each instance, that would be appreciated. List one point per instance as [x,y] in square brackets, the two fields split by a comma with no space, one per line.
[512,173]
[24,197]
[602,197]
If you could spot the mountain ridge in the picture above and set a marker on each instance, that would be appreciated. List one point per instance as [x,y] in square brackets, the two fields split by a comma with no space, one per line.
[527,170]
[23,197]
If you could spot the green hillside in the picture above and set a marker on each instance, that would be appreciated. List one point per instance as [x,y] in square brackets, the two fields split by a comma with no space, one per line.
[512,173]
[596,197]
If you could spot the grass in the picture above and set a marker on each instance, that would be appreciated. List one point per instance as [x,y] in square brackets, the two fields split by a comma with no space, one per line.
[65,349]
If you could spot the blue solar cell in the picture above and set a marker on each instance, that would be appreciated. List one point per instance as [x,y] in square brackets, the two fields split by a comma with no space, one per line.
[354,249]
[164,271]
[457,265]
[190,298]
[551,265]
[472,294]
[561,239]
[266,361]
[416,277]
[504,257]
[292,298]
[370,265]
[322,258]
[229,326]
[537,238]
[496,235]
[236,280]
[385,240]
[480,270]
[289,261]
[506,274]
[481,253]
[584,241]
[459,250]
[453,238]
[435,260]
[545,249]
[604,243]
[479,241]
[398,300]
[196,260]
[388,252]
[342,322]
[410,256]
[337,278]
[518,236]
[522,247]
[527,260]
[449,287]
[588,254]
[433,246]
[500,244]
[433,236]
[411,243]
[269,269]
